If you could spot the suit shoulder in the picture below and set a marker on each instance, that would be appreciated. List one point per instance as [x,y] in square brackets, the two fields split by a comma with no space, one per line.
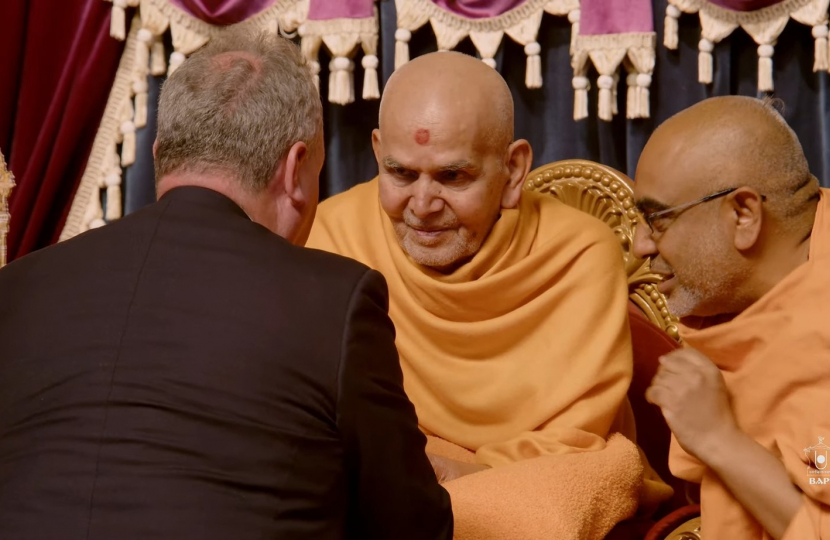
[90,245]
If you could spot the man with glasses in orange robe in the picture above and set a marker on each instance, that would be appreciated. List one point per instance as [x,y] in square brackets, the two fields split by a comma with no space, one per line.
[741,230]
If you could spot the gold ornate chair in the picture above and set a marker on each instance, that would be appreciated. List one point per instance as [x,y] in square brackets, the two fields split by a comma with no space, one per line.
[6,185]
[606,194]
[691,530]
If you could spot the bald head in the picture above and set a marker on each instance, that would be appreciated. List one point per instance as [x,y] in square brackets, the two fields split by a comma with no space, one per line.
[735,141]
[730,204]
[449,88]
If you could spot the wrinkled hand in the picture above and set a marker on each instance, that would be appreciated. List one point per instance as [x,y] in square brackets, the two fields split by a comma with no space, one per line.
[691,392]
[447,469]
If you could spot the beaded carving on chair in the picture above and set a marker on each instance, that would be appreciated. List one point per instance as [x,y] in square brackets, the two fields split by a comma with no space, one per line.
[342,27]
[607,195]
[763,20]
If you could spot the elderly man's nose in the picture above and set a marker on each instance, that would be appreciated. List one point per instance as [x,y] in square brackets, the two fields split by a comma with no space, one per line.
[425,199]
[644,245]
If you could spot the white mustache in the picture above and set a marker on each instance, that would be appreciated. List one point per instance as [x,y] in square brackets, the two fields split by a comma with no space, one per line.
[413,222]
[661,267]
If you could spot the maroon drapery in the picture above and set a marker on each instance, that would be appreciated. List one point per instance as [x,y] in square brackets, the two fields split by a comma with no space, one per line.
[57,65]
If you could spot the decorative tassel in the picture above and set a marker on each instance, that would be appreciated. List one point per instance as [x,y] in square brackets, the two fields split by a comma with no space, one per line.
[614,99]
[533,71]
[113,183]
[765,53]
[402,37]
[704,61]
[643,95]
[158,63]
[580,85]
[821,58]
[140,90]
[606,97]
[632,106]
[118,20]
[351,82]
[314,66]
[128,145]
[371,89]
[176,60]
[670,27]
[94,214]
[142,51]
[340,78]
[490,62]
[573,17]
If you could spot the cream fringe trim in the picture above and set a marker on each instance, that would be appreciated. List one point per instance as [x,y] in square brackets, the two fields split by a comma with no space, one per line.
[763,25]
[606,52]
[521,24]
[6,186]
[86,207]
[189,34]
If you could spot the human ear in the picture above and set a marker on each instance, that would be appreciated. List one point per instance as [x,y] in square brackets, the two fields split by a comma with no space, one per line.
[746,209]
[291,180]
[519,159]
[376,145]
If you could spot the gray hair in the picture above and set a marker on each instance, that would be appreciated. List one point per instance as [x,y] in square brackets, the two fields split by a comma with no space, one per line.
[237,105]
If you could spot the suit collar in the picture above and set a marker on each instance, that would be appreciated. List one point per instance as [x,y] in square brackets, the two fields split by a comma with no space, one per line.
[202,196]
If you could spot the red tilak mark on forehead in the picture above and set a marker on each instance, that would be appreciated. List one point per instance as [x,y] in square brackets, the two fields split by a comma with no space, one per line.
[422,136]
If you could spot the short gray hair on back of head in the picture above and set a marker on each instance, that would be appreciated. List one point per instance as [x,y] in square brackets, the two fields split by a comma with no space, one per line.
[237,106]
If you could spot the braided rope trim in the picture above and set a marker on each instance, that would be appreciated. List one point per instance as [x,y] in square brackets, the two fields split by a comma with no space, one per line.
[262,20]
[759,16]
[626,41]
[502,22]
[339,26]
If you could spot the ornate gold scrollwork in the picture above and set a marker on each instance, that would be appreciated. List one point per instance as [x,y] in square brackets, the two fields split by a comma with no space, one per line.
[691,530]
[607,195]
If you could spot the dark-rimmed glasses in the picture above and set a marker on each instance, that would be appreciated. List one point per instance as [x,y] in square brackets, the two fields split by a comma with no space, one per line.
[659,221]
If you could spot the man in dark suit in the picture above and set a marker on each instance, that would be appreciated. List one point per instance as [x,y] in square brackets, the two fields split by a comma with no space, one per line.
[190,371]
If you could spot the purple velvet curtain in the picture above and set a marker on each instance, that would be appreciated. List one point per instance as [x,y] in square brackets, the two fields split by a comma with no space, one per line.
[223,12]
[478,9]
[58,63]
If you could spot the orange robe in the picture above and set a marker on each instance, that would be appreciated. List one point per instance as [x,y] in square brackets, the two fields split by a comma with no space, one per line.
[525,351]
[775,359]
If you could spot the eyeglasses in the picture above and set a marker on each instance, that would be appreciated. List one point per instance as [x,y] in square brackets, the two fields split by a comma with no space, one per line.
[659,221]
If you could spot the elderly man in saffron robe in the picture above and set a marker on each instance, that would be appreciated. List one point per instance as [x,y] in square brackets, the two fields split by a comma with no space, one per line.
[741,229]
[510,307]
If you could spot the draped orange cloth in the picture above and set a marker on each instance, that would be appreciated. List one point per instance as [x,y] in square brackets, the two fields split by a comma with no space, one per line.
[522,352]
[775,359]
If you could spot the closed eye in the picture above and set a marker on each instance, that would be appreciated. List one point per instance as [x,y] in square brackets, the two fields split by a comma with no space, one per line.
[402,173]
[450,176]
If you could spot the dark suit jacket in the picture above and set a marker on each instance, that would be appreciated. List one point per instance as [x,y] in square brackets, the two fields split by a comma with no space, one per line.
[184,373]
